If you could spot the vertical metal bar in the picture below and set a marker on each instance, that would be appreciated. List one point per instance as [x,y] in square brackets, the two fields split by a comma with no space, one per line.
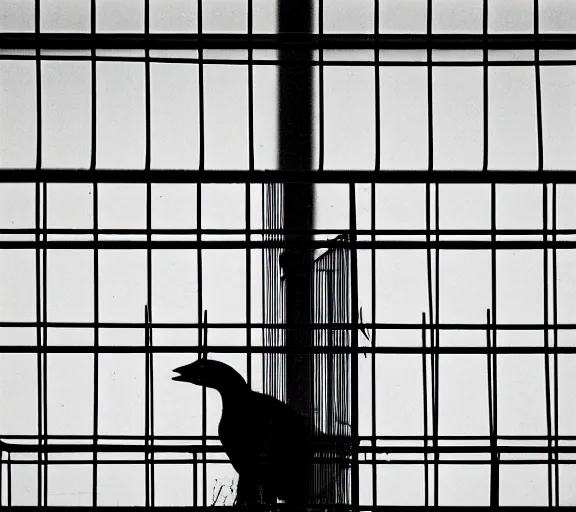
[39,270]
[96,278]
[485,84]
[9,478]
[495,456]
[45,337]
[339,298]
[377,166]
[146,408]
[295,152]
[373,418]
[247,204]
[149,361]
[272,289]
[425,413]
[44,261]
[555,341]
[321,124]
[266,289]
[346,374]
[547,344]
[491,427]
[436,383]
[433,314]
[273,366]
[273,360]
[2,466]
[328,393]
[354,352]
[320,401]
[201,166]
[272,286]
[491,359]
[194,479]
[539,128]
[319,370]
[263,225]
[151,398]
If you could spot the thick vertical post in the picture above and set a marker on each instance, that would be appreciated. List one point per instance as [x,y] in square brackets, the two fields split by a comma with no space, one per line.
[295,153]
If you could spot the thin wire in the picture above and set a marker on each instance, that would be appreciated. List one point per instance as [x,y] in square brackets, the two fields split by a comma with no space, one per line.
[425,413]
[293,63]
[485,162]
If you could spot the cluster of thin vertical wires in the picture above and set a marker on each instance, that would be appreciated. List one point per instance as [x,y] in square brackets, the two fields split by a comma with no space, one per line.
[273,301]
[331,386]
[336,346]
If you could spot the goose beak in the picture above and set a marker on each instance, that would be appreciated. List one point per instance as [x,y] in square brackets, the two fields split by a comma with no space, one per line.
[181,371]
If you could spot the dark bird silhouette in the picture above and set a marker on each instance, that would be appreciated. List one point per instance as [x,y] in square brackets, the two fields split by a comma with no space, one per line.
[267,442]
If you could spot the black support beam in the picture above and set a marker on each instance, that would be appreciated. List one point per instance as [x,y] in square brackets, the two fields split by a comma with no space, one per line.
[293,37]
[293,174]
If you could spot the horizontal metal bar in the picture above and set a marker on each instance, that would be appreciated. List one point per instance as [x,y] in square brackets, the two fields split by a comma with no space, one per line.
[362,438]
[378,462]
[234,349]
[13,175]
[150,448]
[272,325]
[259,231]
[231,41]
[281,507]
[464,245]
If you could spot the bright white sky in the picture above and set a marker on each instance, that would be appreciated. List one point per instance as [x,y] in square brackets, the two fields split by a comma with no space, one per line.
[349,144]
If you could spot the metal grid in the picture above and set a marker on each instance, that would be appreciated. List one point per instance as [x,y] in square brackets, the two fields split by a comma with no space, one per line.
[432,444]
